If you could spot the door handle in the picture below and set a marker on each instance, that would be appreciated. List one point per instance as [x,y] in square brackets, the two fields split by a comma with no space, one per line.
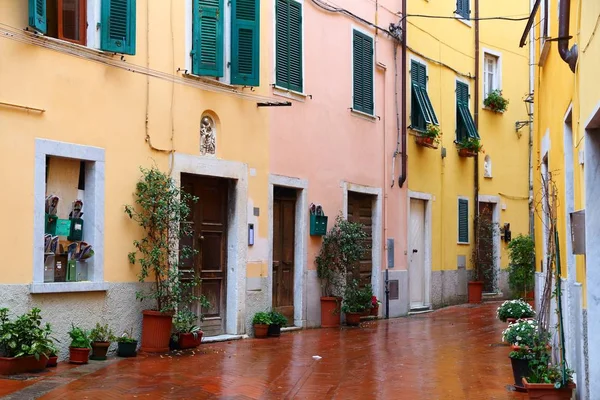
[415,251]
[200,237]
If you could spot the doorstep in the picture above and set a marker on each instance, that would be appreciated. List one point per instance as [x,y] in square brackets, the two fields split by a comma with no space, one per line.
[223,338]
[420,310]
[492,296]
[291,328]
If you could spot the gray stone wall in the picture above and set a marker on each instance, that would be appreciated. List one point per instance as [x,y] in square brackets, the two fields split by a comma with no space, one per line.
[257,299]
[448,287]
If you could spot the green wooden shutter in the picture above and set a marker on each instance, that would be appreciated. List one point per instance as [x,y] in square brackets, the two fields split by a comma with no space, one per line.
[463,221]
[363,73]
[463,8]
[288,45]
[245,39]
[37,15]
[118,24]
[207,44]
[462,100]
[295,46]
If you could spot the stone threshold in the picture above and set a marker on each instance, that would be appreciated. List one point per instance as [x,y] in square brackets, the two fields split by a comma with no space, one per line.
[223,338]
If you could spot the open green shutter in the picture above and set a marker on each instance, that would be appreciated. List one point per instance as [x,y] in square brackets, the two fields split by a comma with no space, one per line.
[118,22]
[363,73]
[245,56]
[37,15]
[463,221]
[207,44]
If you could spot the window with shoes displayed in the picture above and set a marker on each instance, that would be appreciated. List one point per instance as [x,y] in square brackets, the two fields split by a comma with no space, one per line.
[211,52]
[422,113]
[362,73]
[491,77]
[288,45]
[68,20]
[465,126]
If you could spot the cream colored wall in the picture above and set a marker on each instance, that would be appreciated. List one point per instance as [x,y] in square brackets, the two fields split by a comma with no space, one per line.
[97,105]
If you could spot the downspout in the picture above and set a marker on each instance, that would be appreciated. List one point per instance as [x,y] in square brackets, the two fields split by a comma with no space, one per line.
[531,111]
[564,20]
[403,128]
[476,159]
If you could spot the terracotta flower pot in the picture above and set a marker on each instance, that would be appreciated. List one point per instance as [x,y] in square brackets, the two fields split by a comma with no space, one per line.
[375,311]
[475,292]
[261,331]
[19,365]
[189,340]
[52,361]
[99,350]
[511,320]
[466,153]
[426,141]
[330,312]
[156,331]
[353,318]
[546,391]
[79,355]
[529,295]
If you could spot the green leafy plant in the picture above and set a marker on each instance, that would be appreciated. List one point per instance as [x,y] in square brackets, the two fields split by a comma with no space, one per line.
[495,102]
[521,333]
[432,131]
[161,210]
[80,338]
[102,333]
[484,256]
[357,299]
[184,321]
[342,248]
[521,353]
[127,337]
[521,269]
[514,309]
[277,318]
[262,318]
[25,336]
[541,366]
[471,144]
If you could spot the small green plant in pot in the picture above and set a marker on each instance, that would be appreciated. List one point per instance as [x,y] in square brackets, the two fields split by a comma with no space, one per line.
[495,102]
[430,137]
[101,336]
[512,310]
[261,322]
[187,334]
[357,300]
[277,321]
[521,267]
[79,350]
[127,345]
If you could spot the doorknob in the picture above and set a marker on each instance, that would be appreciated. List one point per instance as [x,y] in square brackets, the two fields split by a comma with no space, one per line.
[200,237]
[415,251]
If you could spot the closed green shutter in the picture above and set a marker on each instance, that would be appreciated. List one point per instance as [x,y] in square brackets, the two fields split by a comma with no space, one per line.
[465,126]
[37,15]
[118,22]
[463,8]
[245,39]
[288,45]
[207,44]
[362,73]
[463,221]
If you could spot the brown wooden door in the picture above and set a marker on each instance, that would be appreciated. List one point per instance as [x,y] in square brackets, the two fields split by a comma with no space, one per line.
[284,216]
[209,218]
[360,210]
[486,245]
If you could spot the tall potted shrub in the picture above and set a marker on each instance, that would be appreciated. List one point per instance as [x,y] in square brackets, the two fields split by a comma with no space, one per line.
[161,208]
[521,268]
[483,260]
[342,248]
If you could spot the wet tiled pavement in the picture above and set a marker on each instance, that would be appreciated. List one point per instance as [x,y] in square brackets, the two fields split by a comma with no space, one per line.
[454,353]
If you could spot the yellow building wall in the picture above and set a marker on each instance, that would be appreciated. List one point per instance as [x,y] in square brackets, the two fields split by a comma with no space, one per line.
[452,42]
[137,119]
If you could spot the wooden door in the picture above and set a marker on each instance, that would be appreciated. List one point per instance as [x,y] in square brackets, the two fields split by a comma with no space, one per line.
[209,219]
[416,249]
[486,246]
[360,209]
[284,225]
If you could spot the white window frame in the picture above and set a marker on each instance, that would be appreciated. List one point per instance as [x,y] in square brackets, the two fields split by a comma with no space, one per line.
[457,221]
[497,74]
[372,36]
[93,207]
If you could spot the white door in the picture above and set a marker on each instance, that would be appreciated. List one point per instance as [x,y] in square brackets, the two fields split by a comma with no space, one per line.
[416,253]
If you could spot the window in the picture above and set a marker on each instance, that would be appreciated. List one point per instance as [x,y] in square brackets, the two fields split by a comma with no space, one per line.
[544,20]
[463,221]
[208,45]
[463,8]
[491,74]
[288,45]
[465,127]
[67,20]
[362,73]
[422,112]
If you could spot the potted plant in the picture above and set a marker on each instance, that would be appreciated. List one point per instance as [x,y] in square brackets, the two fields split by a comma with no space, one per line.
[495,102]
[79,350]
[187,334]
[126,345]
[521,333]
[261,322]
[519,361]
[101,337]
[521,267]
[357,300]
[25,344]
[161,210]
[52,357]
[430,137]
[375,306]
[469,147]
[483,260]
[512,310]
[277,321]
[342,248]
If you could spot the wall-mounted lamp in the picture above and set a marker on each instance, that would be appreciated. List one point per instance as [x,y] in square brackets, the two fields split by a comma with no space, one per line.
[250,234]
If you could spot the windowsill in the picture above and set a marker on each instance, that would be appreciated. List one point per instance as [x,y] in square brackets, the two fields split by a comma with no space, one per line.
[463,20]
[415,131]
[363,115]
[493,111]
[211,81]
[67,287]
[289,94]
[463,243]
[69,45]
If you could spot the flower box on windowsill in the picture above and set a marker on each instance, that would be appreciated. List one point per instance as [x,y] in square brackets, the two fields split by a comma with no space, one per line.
[466,152]
[426,141]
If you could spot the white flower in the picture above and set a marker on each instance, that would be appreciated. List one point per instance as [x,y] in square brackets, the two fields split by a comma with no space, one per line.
[519,338]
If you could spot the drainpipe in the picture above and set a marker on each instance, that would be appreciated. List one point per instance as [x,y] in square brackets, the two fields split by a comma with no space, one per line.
[404,174]
[476,166]
[564,20]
